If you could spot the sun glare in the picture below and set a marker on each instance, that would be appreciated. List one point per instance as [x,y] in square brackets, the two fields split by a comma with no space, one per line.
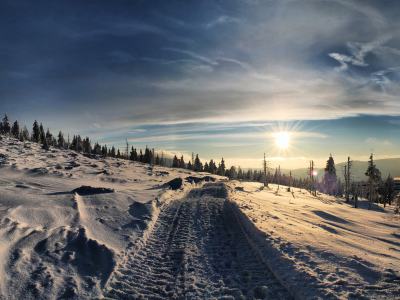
[282,139]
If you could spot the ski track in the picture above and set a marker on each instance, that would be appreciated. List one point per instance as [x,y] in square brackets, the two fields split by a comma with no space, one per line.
[196,250]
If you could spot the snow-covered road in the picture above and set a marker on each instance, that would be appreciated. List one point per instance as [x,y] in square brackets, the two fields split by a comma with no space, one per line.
[197,250]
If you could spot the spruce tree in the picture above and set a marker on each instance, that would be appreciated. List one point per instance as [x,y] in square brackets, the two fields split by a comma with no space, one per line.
[112,153]
[42,134]
[49,137]
[86,145]
[329,181]
[15,129]
[198,166]
[206,168]
[189,165]
[182,163]
[25,134]
[61,141]
[232,172]
[157,160]
[45,144]
[222,168]
[131,156]
[374,180]
[6,125]
[36,132]
[175,162]
[97,149]
[212,167]
[147,156]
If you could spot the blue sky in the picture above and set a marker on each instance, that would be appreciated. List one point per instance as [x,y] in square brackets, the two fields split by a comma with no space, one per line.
[214,77]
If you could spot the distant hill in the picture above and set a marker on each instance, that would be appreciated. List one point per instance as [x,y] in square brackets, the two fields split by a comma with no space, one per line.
[386,166]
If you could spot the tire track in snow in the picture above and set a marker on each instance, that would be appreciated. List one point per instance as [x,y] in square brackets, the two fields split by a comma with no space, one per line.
[196,250]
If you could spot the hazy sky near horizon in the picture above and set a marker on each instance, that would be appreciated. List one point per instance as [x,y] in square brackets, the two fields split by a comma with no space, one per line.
[214,77]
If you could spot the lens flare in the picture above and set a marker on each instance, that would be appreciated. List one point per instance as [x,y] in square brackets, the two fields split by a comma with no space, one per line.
[314,172]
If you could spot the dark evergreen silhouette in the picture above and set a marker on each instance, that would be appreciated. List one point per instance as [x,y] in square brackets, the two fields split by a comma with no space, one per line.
[36,132]
[42,134]
[15,130]
[147,156]
[6,125]
[175,162]
[182,163]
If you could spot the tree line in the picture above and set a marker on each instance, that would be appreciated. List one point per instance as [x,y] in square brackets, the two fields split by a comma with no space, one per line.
[375,189]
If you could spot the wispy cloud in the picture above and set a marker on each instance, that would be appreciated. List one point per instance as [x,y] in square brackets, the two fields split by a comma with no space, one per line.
[221,20]
[194,55]
[358,51]
[374,141]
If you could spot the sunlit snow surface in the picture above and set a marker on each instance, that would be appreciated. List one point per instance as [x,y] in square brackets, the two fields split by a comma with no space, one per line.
[58,240]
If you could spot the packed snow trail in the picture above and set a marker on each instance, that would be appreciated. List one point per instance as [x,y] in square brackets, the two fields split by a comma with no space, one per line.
[197,250]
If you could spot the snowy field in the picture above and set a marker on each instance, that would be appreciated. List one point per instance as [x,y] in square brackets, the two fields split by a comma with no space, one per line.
[76,226]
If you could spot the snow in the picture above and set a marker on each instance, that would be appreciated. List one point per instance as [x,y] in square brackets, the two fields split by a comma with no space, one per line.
[81,226]
[321,246]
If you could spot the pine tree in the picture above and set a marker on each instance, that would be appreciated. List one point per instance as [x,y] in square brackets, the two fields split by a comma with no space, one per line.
[74,144]
[45,144]
[131,155]
[6,125]
[49,137]
[79,143]
[198,166]
[86,145]
[329,181]
[206,168]
[157,160]
[42,134]
[15,129]
[232,172]
[221,168]
[374,180]
[97,149]
[112,154]
[25,134]
[250,174]
[212,167]
[118,154]
[182,163]
[239,173]
[153,157]
[175,162]
[21,135]
[189,165]
[147,156]
[141,156]
[61,141]
[104,150]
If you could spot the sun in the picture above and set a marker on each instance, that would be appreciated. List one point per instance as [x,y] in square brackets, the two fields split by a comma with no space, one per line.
[282,139]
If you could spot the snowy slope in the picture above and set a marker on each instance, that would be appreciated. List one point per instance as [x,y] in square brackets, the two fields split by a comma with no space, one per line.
[321,246]
[61,240]
[76,226]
